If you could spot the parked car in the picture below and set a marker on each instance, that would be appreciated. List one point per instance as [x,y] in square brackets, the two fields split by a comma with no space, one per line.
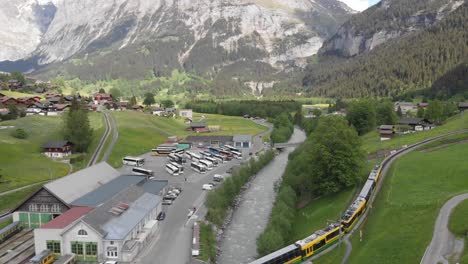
[167,202]
[207,187]
[218,177]
[161,216]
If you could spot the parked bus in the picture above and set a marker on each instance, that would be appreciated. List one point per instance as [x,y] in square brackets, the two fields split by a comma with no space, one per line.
[207,164]
[213,150]
[193,156]
[165,149]
[175,158]
[227,154]
[231,148]
[198,167]
[212,160]
[143,171]
[206,154]
[181,157]
[236,154]
[179,151]
[171,169]
[178,166]
[221,158]
[133,161]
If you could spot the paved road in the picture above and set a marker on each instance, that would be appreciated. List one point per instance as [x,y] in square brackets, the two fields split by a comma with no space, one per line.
[115,136]
[444,244]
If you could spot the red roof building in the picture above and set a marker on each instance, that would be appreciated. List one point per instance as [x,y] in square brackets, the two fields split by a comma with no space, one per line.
[7,101]
[102,97]
[67,218]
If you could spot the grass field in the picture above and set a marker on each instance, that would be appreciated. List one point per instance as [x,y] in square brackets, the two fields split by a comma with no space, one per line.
[22,162]
[458,223]
[19,95]
[371,141]
[400,226]
[139,133]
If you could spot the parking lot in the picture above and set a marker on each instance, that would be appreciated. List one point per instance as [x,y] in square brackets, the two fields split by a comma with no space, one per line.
[172,242]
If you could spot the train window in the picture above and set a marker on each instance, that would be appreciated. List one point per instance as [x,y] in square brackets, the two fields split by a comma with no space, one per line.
[332,235]
[319,244]
[82,232]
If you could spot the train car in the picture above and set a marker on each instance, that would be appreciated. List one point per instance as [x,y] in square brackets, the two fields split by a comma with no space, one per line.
[287,255]
[320,240]
[375,173]
[45,257]
[352,213]
[9,231]
[366,191]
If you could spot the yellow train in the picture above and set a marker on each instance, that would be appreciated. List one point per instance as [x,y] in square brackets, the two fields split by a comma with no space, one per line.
[45,257]
[324,238]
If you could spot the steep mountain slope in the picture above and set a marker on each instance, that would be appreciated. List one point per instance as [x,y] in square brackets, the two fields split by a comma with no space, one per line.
[387,20]
[96,39]
[413,62]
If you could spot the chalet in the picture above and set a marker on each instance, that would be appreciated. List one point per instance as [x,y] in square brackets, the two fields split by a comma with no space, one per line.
[55,100]
[14,84]
[36,108]
[57,148]
[122,105]
[416,124]
[423,105]
[463,106]
[157,111]
[207,141]
[55,198]
[40,90]
[52,94]
[170,110]
[386,132]
[4,111]
[102,98]
[92,106]
[28,101]
[186,113]
[5,101]
[70,98]
[61,107]
[405,107]
[137,108]
[198,127]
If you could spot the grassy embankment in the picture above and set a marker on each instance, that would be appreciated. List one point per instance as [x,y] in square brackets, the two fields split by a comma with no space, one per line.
[139,132]
[19,95]
[400,226]
[372,144]
[458,225]
[207,242]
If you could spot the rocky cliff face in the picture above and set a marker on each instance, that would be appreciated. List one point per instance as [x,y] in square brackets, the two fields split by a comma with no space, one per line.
[387,20]
[197,35]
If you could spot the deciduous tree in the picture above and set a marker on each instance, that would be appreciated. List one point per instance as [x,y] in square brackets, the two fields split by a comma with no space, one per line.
[77,128]
[361,114]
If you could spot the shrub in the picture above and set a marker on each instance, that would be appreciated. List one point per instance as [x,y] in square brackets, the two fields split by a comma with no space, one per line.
[19,133]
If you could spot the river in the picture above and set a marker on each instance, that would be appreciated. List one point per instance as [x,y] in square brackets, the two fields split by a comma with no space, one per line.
[251,216]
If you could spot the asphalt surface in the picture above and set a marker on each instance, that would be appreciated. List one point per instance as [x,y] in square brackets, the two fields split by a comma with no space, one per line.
[444,245]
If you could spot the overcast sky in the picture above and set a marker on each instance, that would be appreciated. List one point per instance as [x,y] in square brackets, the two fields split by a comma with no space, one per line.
[360,5]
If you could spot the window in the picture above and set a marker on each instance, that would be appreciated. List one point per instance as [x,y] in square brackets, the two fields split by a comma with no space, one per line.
[33,207]
[55,208]
[112,242]
[82,232]
[91,249]
[53,245]
[44,208]
[77,248]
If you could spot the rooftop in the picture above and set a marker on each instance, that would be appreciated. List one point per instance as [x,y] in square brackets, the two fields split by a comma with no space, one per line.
[209,138]
[55,144]
[197,124]
[242,138]
[67,218]
[75,185]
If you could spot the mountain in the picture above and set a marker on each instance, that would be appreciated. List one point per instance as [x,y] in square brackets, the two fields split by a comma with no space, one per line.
[389,19]
[98,39]
[430,60]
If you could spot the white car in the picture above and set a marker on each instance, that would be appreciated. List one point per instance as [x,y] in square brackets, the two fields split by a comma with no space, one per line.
[207,187]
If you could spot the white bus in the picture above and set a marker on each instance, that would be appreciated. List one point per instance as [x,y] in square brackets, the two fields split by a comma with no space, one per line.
[175,158]
[181,158]
[193,156]
[198,167]
[236,154]
[231,148]
[143,171]
[133,161]
[212,160]
[206,154]
[171,169]
[222,159]
[207,164]
[178,166]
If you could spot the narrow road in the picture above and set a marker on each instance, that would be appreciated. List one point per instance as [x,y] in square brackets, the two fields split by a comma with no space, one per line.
[115,136]
[444,244]
[94,158]
[22,188]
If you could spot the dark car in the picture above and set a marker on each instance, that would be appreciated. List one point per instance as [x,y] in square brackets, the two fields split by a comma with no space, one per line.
[161,216]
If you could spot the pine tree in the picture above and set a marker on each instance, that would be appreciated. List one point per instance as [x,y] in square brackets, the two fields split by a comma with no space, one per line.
[77,128]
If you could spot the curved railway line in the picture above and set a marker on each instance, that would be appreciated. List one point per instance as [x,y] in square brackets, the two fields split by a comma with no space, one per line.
[325,240]
[103,140]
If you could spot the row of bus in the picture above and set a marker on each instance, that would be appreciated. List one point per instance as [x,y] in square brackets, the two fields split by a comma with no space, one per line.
[322,239]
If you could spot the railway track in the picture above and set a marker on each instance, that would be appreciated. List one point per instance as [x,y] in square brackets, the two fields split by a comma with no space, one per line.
[103,140]
[18,249]
[386,163]
[15,240]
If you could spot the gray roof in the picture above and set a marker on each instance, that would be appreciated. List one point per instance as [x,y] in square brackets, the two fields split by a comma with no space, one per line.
[463,104]
[154,186]
[75,185]
[242,138]
[117,227]
[386,127]
[107,191]
[55,144]
[197,124]
[209,138]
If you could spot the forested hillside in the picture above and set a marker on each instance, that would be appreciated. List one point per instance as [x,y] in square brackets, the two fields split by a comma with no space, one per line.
[414,62]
